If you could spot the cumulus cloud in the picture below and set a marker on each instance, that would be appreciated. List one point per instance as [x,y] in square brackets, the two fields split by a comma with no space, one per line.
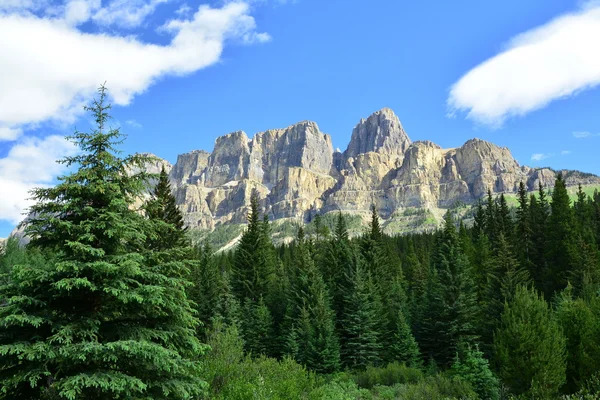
[50,68]
[565,152]
[29,164]
[540,156]
[553,61]
[584,134]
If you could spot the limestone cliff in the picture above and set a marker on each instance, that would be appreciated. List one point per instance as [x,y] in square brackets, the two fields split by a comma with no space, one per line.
[297,173]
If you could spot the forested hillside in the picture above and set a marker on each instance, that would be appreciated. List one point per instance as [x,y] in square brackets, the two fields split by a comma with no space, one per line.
[113,301]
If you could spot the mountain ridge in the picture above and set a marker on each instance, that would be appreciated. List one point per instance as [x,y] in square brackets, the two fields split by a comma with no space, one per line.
[297,173]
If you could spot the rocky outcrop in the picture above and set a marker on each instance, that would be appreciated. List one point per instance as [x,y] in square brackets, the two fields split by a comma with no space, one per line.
[382,132]
[297,173]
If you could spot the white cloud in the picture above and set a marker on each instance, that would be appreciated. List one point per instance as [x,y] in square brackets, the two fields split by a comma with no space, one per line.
[50,68]
[29,164]
[126,13]
[134,124]
[540,156]
[8,133]
[183,10]
[555,60]
[565,152]
[584,134]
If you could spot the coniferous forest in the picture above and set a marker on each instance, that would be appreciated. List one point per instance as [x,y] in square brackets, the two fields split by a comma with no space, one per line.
[111,299]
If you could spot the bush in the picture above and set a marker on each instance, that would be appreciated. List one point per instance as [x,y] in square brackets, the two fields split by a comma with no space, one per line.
[233,376]
[436,387]
[389,375]
[340,388]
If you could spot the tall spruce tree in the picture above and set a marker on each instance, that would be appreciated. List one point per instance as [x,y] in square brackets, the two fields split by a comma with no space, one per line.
[253,267]
[529,347]
[523,229]
[560,239]
[580,322]
[311,317]
[456,297]
[539,214]
[361,323]
[504,276]
[162,207]
[105,318]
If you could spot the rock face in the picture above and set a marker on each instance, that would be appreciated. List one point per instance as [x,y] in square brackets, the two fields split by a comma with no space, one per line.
[297,173]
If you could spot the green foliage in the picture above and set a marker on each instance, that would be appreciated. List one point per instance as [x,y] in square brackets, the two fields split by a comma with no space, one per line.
[107,316]
[475,369]
[390,375]
[580,322]
[360,332]
[233,376]
[162,208]
[257,325]
[313,339]
[253,264]
[560,229]
[437,387]
[404,347]
[451,301]
[530,347]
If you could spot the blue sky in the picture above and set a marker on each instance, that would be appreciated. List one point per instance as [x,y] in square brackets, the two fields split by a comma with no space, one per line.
[520,74]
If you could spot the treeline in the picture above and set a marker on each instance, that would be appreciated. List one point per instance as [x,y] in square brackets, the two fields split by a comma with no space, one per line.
[110,299]
[512,303]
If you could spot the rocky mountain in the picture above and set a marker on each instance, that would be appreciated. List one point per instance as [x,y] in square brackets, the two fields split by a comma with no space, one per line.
[297,173]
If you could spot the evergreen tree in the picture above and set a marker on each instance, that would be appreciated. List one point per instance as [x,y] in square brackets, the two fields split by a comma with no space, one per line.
[253,265]
[504,219]
[539,213]
[580,322]
[455,297]
[504,276]
[560,237]
[162,207]
[404,347]
[256,325]
[106,317]
[523,229]
[361,338]
[529,347]
[206,284]
[314,340]
[475,369]
[491,218]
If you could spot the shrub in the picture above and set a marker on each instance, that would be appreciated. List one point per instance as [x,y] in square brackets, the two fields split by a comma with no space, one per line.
[389,375]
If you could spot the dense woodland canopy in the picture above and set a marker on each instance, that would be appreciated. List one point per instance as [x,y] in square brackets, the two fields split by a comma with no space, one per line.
[112,300]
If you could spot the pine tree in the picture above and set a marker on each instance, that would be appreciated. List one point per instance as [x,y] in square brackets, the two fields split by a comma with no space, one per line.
[205,279]
[456,298]
[504,219]
[314,339]
[491,218]
[523,229]
[162,207]
[404,347]
[253,266]
[539,213]
[475,369]
[256,326]
[361,335]
[105,317]
[580,322]
[504,276]
[529,347]
[560,237]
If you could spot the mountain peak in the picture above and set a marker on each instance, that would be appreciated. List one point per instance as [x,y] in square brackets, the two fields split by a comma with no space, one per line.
[381,132]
